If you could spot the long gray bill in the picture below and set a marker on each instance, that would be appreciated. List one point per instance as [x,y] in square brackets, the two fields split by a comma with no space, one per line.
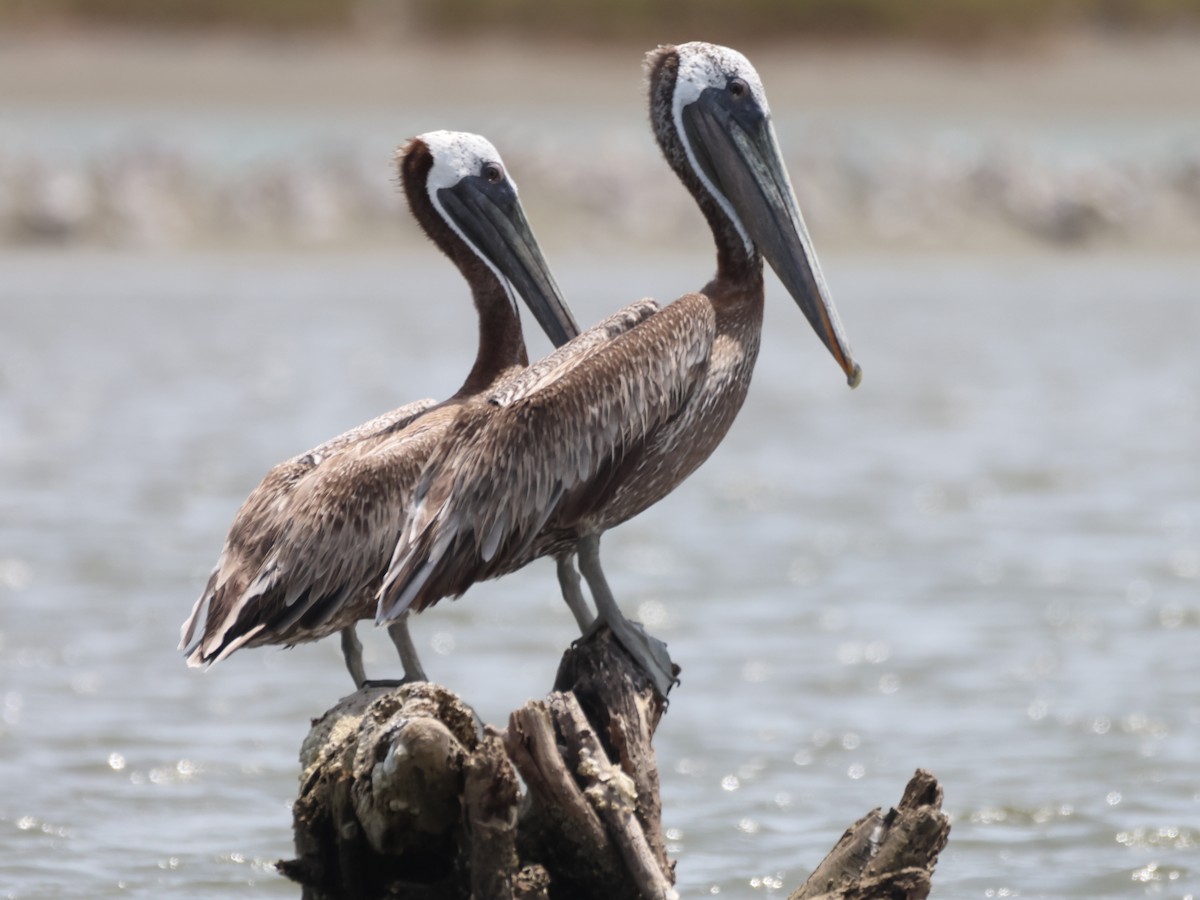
[492,219]
[745,164]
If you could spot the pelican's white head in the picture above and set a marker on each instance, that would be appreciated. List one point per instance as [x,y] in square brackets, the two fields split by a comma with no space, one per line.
[469,190]
[458,155]
[704,67]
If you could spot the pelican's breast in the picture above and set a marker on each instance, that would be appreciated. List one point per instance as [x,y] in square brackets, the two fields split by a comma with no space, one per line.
[683,444]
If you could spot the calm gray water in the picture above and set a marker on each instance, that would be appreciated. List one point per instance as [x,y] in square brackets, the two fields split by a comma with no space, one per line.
[984,562]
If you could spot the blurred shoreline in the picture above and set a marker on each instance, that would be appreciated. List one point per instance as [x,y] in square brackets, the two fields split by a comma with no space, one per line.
[950,22]
[127,139]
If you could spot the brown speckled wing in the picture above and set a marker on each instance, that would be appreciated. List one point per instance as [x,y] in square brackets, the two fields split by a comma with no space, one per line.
[263,543]
[505,468]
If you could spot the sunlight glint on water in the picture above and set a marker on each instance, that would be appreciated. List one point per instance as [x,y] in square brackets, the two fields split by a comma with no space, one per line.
[983,562]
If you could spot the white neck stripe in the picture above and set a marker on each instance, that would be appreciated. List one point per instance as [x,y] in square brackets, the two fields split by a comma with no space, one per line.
[504,282]
[722,200]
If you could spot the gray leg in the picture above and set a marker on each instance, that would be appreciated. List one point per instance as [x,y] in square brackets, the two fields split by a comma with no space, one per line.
[568,579]
[398,631]
[649,653]
[352,651]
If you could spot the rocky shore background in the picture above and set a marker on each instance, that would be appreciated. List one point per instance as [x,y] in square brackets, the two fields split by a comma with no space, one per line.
[113,139]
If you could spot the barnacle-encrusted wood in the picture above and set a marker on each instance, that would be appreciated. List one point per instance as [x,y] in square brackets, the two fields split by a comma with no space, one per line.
[404,796]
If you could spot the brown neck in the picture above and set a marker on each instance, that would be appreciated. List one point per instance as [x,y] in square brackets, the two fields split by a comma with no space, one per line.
[738,270]
[501,342]
[743,288]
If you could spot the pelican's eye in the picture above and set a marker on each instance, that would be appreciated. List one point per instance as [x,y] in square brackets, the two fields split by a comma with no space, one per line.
[493,173]
[738,88]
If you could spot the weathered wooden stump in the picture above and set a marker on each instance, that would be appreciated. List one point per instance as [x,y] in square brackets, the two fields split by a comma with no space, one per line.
[885,856]
[404,796]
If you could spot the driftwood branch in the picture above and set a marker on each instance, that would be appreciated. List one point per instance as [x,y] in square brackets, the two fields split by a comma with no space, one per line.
[404,796]
[886,855]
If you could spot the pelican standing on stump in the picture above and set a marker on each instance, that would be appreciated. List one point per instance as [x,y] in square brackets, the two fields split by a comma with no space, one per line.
[306,551]
[600,431]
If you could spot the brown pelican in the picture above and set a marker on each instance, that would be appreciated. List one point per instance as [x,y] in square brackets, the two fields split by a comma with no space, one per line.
[594,435]
[306,551]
